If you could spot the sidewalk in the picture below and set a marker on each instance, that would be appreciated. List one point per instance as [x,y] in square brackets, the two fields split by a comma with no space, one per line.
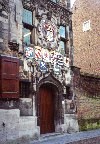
[76,138]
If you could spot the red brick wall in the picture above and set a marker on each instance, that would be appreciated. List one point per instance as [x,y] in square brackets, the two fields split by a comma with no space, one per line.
[87,91]
[87,44]
[90,85]
[87,84]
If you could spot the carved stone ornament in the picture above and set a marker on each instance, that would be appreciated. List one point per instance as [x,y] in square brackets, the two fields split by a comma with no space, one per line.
[51,79]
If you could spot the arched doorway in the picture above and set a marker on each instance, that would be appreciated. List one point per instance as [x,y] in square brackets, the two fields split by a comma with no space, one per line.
[49,104]
[47,94]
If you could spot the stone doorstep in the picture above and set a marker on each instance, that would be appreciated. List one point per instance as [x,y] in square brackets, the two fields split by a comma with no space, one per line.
[44,137]
[49,135]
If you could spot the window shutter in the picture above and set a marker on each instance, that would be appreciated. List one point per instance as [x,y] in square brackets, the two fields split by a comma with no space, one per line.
[9,77]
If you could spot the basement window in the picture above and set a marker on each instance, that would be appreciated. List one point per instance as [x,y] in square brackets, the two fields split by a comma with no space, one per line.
[86,26]
[24,89]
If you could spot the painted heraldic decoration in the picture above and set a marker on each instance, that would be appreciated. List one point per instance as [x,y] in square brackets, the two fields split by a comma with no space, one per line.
[29,52]
[43,67]
[47,34]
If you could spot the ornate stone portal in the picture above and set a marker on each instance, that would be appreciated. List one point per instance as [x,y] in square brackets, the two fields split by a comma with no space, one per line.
[53,69]
[57,91]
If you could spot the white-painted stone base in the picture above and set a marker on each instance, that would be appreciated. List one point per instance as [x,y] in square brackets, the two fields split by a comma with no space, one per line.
[13,127]
[70,124]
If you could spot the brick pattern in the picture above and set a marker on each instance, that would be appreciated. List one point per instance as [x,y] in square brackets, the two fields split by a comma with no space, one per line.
[87,44]
[87,107]
[87,90]
[90,85]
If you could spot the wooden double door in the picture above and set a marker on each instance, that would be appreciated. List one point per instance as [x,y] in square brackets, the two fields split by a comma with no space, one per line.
[47,98]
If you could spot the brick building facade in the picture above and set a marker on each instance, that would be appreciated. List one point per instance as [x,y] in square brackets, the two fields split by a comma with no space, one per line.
[87,42]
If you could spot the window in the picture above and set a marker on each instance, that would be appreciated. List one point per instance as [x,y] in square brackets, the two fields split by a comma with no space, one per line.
[27,36]
[24,89]
[62,44]
[55,1]
[62,31]
[27,26]
[27,16]
[62,47]
[86,26]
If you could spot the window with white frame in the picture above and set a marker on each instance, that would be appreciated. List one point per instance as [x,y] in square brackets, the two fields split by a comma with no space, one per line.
[27,26]
[86,26]
[55,1]
[63,35]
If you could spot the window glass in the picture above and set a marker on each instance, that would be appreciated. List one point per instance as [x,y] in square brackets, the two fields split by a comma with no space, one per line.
[86,26]
[27,36]
[62,47]
[27,16]
[56,1]
[62,31]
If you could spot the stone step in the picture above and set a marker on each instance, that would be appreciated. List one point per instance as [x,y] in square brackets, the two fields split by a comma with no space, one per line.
[49,135]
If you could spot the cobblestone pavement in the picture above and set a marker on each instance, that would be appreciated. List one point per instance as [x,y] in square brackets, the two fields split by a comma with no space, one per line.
[95,140]
[87,137]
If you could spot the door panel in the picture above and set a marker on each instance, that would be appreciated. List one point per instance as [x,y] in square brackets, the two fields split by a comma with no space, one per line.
[46,110]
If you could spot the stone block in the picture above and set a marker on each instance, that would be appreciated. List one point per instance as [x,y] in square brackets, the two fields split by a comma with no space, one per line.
[29,134]
[26,133]
[8,116]
[61,128]
[27,123]
[9,121]
[25,106]
[69,126]
[3,137]
[4,20]
[26,126]
[1,40]
[12,132]
[72,122]
[5,13]
[12,117]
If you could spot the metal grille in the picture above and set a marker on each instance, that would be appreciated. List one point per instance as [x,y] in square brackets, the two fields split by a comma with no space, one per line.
[1,28]
[1,46]
[24,89]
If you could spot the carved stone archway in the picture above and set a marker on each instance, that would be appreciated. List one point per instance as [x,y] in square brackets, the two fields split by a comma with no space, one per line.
[58,88]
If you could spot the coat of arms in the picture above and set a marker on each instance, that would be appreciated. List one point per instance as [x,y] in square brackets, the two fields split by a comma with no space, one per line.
[47,34]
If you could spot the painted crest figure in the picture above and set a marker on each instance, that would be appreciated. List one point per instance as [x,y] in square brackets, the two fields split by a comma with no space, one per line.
[48,34]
